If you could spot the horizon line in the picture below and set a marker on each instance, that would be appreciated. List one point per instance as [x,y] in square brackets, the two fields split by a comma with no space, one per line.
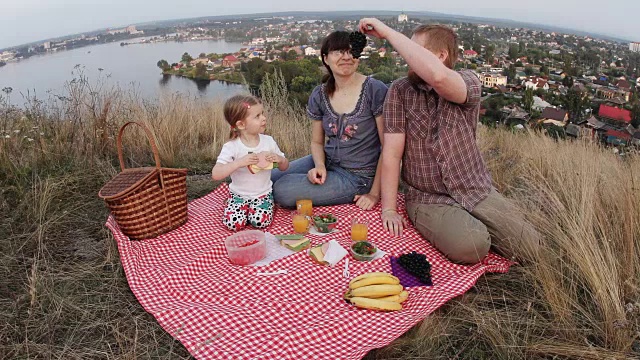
[408,12]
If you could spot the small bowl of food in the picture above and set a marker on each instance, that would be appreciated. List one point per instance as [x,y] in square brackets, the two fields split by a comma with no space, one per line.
[325,223]
[246,247]
[363,250]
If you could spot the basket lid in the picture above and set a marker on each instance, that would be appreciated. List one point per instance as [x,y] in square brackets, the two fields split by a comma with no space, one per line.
[124,181]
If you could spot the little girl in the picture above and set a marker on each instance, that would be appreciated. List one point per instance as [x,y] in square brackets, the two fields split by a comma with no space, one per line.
[250,197]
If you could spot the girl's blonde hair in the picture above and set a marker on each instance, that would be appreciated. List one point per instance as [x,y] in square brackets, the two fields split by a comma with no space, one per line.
[236,109]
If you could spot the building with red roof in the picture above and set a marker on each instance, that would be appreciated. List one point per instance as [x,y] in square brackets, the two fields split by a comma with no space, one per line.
[469,54]
[614,113]
[230,61]
[615,137]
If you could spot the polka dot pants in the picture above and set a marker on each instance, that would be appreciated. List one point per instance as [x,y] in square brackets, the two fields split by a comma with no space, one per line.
[258,212]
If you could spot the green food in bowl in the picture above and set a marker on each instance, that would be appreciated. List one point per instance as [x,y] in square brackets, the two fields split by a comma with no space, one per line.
[325,223]
[363,250]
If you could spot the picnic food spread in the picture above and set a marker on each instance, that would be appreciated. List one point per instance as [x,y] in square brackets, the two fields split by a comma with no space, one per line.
[376,291]
[379,291]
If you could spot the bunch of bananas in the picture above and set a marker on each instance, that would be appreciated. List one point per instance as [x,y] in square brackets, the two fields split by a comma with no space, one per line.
[376,291]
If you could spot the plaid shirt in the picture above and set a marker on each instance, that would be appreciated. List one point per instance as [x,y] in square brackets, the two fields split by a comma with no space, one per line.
[441,162]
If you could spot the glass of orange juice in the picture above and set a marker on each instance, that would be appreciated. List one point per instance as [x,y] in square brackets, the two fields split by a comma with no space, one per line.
[305,207]
[300,223]
[359,229]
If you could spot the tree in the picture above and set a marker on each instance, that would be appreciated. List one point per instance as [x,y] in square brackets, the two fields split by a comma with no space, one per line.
[202,55]
[201,71]
[164,65]
[186,58]
[567,81]
[527,99]
[522,47]
[477,46]
[544,70]
[576,103]
[568,65]
[635,116]
[513,52]
[511,73]
[489,52]
[304,38]
[374,61]
[290,55]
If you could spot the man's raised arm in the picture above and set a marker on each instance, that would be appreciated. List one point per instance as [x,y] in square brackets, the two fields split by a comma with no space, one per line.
[429,66]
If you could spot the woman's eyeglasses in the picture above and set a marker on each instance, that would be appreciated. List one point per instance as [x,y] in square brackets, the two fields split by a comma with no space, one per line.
[340,53]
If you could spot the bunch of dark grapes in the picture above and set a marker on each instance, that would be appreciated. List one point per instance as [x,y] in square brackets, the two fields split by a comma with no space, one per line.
[417,265]
[358,42]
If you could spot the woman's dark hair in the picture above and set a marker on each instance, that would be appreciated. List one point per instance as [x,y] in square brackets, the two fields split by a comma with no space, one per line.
[337,40]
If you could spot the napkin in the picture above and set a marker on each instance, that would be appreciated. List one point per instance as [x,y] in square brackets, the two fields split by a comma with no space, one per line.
[379,253]
[334,253]
[275,251]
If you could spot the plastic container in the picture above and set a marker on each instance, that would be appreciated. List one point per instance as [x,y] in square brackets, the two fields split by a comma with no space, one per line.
[323,226]
[246,247]
[360,256]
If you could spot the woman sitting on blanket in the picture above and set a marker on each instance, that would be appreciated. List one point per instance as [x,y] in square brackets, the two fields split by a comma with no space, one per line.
[347,109]
[244,158]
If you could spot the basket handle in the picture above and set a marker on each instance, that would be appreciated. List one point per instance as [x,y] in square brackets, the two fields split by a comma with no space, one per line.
[154,148]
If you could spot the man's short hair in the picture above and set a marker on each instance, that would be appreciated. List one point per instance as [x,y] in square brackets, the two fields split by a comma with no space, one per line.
[440,38]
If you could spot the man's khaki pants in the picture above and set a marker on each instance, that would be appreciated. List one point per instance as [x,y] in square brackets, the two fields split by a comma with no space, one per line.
[465,237]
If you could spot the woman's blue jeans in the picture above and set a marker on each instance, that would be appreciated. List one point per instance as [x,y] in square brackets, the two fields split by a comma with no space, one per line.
[340,186]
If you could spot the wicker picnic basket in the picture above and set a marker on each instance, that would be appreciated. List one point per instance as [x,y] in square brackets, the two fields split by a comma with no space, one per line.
[146,202]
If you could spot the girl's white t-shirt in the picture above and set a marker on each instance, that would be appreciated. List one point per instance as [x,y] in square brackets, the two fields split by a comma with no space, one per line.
[243,182]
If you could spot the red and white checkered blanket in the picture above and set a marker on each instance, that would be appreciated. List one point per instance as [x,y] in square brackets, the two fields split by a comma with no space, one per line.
[224,311]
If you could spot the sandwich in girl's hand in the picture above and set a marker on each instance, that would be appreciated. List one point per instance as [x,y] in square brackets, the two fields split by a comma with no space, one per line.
[263,164]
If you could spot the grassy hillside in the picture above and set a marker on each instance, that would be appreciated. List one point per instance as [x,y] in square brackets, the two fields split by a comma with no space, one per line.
[63,293]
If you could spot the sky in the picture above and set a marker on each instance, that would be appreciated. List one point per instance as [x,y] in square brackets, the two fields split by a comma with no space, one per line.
[24,21]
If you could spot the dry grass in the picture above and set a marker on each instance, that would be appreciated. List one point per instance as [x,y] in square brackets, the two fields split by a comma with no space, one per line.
[63,293]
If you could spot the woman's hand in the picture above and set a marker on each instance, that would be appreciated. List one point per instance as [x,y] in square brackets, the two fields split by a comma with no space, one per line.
[317,175]
[249,159]
[374,27]
[366,201]
[393,222]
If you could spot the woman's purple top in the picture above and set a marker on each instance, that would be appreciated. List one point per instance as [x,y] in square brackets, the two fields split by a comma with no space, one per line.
[353,140]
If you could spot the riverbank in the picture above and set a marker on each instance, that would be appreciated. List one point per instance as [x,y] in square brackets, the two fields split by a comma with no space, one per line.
[229,77]
[174,39]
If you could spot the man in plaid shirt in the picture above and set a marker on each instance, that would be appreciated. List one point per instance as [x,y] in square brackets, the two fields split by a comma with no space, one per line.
[430,128]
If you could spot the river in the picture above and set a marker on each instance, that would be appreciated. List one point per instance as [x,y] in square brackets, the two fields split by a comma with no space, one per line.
[130,67]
